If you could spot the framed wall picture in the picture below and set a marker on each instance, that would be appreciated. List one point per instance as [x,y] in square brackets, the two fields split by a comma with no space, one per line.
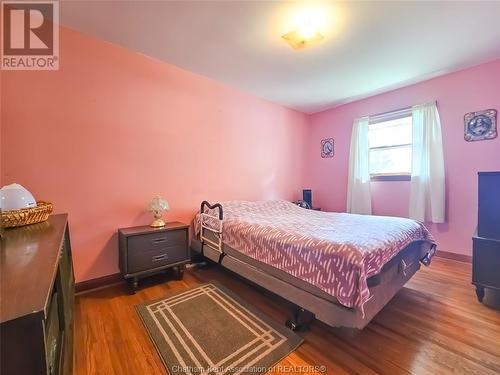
[480,125]
[327,148]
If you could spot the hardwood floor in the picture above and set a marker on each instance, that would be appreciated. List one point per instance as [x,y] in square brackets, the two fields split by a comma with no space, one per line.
[433,326]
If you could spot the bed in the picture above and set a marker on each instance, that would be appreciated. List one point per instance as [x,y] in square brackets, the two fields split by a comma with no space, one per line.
[343,268]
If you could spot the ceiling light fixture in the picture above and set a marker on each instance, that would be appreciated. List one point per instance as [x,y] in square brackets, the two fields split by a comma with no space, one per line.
[308,25]
[302,38]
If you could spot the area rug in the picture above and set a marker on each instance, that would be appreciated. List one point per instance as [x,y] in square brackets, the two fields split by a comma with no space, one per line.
[210,330]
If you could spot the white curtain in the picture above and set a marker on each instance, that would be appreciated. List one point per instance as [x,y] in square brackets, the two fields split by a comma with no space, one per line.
[358,187]
[427,194]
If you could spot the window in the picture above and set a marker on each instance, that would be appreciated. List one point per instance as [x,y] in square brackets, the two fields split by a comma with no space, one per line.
[390,141]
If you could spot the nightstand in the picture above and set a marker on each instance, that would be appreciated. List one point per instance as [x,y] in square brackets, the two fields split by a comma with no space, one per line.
[144,250]
[300,203]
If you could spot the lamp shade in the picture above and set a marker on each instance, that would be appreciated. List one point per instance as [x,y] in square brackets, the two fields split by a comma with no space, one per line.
[158,204]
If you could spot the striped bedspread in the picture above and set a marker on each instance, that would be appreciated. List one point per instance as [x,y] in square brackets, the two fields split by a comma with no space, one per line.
[336,252]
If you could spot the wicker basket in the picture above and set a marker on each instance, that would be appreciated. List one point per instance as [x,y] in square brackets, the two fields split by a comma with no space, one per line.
[25,216]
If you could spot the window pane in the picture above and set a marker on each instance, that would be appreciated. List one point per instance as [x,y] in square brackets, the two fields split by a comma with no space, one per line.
[390,160]
[390,133]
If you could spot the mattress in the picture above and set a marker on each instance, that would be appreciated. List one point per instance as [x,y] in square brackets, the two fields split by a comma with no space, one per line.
[410,255]
[336,253]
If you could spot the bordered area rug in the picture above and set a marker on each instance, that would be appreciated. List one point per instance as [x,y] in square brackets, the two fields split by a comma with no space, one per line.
[209,330]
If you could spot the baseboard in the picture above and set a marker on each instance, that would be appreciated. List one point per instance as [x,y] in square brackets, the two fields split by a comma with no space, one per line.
[100,282]
[458,257]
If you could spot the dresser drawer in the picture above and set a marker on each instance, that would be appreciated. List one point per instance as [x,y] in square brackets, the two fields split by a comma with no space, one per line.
[486,262]
[141,260]
[157,240]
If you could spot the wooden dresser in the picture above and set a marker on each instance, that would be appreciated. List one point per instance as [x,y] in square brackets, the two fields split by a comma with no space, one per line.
[486,242]
[37,294]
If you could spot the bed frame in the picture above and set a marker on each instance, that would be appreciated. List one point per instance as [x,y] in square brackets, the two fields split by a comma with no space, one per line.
[382,286]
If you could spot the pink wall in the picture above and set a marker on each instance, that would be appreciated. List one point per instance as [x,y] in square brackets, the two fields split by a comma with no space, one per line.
[112,128]
[468,90]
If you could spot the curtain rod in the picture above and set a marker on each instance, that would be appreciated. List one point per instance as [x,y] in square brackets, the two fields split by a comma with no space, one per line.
[396,111]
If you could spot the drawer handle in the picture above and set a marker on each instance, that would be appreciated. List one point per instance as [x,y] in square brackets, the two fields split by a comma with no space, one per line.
[159,240]
[159,258]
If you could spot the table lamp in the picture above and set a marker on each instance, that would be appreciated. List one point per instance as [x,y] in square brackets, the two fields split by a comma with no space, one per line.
[157,206]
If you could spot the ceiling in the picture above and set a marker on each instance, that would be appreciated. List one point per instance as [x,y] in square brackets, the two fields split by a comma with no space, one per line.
[369,47]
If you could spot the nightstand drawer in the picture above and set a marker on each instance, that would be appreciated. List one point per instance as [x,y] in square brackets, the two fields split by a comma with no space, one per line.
[157,240]
[141,260]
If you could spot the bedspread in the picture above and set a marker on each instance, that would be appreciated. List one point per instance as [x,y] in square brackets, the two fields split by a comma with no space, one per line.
[336,252]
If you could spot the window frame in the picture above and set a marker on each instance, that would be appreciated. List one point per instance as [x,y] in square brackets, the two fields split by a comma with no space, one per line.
[384,117]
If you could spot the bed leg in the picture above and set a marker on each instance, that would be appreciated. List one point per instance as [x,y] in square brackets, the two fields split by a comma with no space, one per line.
[300,320]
